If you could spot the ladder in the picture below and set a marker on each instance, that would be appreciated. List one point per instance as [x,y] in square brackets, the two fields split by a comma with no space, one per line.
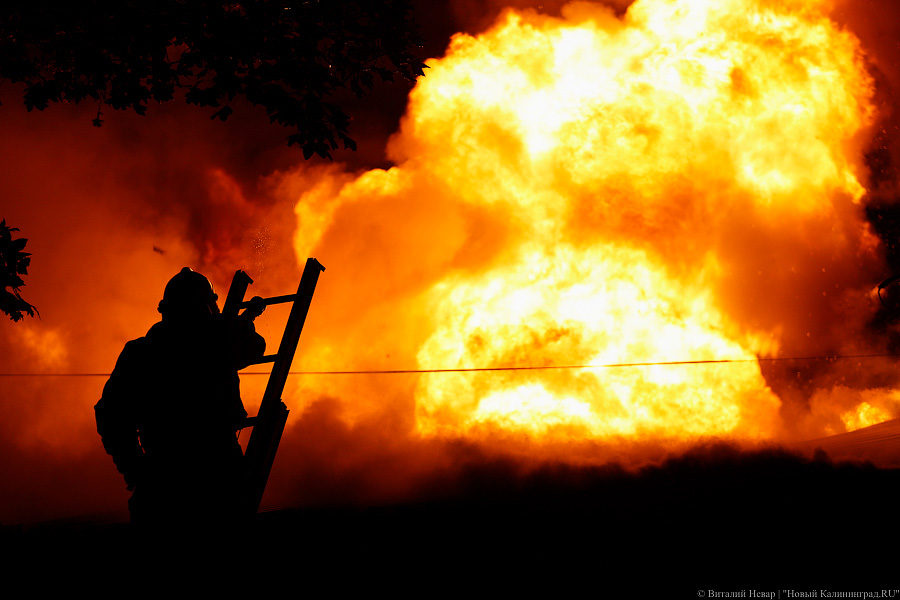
[269,423]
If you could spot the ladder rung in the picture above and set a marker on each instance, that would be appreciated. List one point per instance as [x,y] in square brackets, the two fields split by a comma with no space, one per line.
[266,359]
[273,300]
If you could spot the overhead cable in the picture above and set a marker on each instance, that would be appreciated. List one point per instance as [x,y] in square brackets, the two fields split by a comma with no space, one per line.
[832,357]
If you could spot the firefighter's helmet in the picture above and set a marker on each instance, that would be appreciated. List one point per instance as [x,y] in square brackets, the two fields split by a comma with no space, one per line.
[188,293]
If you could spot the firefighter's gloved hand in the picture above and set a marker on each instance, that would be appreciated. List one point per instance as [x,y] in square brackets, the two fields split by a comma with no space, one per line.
[255,307]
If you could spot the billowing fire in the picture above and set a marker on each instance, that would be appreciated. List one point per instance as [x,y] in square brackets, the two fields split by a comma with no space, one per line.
[592,305]
[681,184]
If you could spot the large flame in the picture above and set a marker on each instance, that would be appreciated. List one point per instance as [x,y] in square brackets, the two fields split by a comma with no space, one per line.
[657,188]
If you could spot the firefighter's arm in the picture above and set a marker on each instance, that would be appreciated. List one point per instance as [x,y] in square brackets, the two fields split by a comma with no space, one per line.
[248,347]
[116,416]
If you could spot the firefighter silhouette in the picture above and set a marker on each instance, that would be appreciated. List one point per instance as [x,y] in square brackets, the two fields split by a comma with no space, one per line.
[171,408]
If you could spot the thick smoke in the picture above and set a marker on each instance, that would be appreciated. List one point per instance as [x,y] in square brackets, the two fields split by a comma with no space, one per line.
[110,215]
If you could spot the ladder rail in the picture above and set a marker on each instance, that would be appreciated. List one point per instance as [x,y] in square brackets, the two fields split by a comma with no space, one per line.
[268,425]
[235,298]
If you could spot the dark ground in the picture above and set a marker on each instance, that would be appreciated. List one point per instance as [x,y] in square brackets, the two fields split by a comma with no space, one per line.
[714,519]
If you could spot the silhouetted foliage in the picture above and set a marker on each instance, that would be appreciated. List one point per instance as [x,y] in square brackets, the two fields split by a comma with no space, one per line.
[14,262]
[287,56]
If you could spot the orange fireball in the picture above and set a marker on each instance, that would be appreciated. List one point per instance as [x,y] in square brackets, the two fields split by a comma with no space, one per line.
[683,183]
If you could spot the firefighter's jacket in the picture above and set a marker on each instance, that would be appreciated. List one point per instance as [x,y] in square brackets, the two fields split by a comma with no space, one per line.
[172,406]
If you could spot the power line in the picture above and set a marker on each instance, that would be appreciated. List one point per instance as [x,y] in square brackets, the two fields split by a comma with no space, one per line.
[603,366]
[535,368]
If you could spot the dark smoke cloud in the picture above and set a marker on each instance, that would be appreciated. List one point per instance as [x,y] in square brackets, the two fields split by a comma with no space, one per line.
[877,24]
